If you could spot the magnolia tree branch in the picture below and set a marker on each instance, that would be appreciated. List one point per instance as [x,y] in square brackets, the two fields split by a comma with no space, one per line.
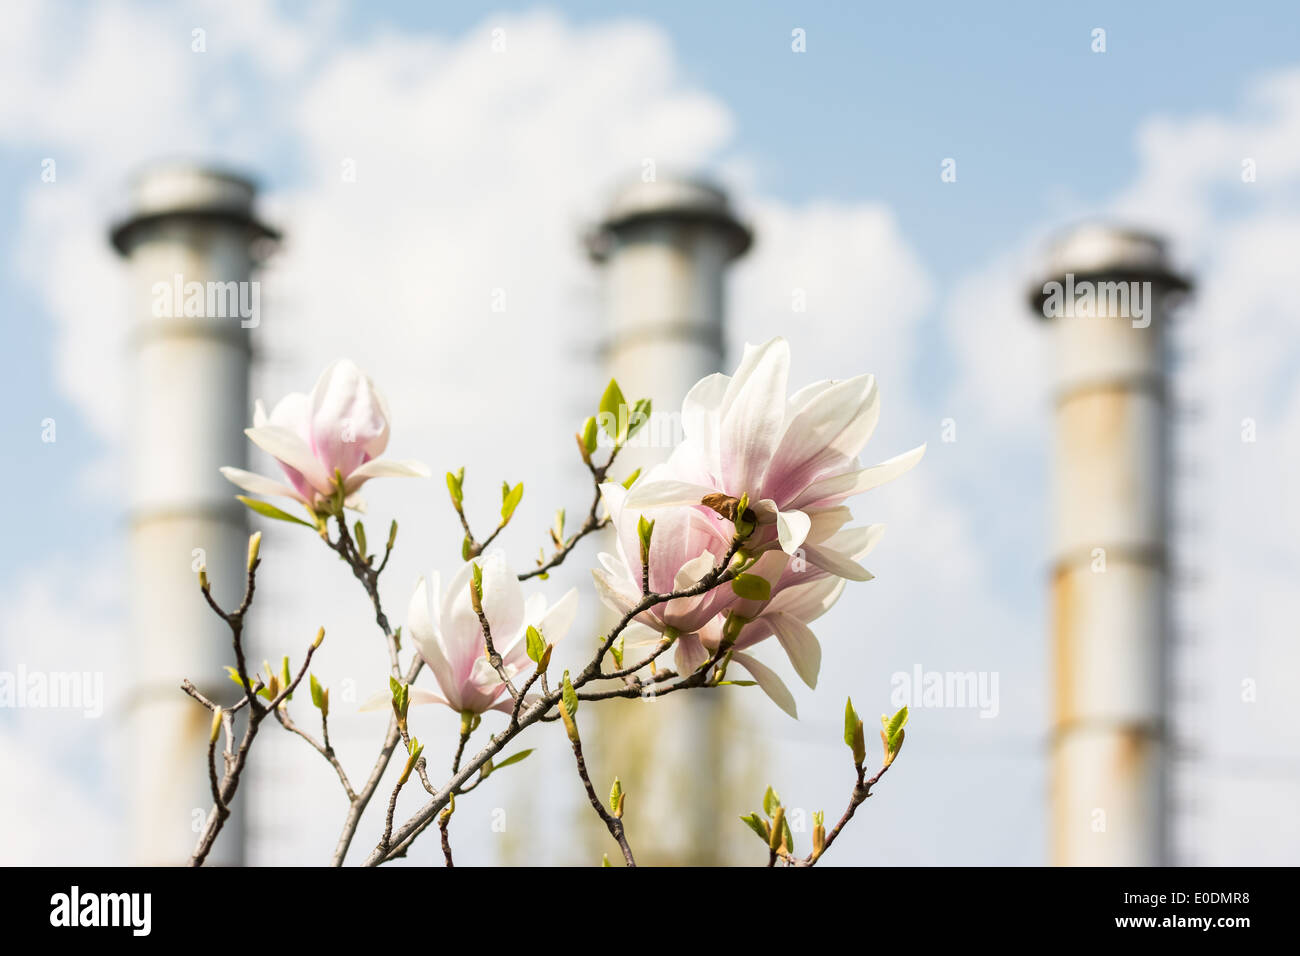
[613,820]
[593,522]
[544,705]
[534,699]
[225,785]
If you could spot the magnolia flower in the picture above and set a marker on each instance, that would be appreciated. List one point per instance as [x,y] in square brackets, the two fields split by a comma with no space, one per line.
[338,431]
[795,458]
[687,543]
[798,593]
[449,636]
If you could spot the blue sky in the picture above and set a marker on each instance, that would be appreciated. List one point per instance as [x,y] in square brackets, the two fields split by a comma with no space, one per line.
[835,155]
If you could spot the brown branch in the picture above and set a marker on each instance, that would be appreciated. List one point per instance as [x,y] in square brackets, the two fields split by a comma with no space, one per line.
[540,709]
[590,524]
[325,750]
[223,791]
[612,823]
[444,821]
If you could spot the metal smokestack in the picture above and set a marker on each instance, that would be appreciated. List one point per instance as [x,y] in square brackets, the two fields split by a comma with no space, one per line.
[1106,293]
[665,247]
[188,370]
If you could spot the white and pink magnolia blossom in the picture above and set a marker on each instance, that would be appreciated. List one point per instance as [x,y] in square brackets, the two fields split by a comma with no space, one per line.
[799,593]
[447,632]
[687,543]
[795,458]
[339,430]
[795,461]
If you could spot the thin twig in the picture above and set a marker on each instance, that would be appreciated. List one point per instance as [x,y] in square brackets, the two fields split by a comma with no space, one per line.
[612,823]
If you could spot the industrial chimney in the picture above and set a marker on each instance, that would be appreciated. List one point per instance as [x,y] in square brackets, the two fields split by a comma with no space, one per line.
[1107,293]
[190,241]
[665,246]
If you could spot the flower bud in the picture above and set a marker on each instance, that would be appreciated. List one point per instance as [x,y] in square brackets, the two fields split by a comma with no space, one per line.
[476,589]
[216,726]
[254,547]
[778,830]
[644,531]
[569,707]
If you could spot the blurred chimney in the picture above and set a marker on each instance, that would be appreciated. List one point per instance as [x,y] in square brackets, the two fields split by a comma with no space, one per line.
[665,247]
[188,368]
[1107,293]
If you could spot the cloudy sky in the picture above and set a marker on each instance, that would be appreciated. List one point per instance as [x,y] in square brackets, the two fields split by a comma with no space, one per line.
[477,169]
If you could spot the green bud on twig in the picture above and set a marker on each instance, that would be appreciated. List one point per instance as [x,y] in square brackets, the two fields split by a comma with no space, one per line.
[456,488]
[777,836]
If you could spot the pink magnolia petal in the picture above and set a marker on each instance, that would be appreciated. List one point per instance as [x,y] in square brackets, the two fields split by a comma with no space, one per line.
[827,433]
[290,450]
[690,654]
[259,484]
[385,468]
[767,679]
[838,487]
[836,563]
[800,644]
[753,416]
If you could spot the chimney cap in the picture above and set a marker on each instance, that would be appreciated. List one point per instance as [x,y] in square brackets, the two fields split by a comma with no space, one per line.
[683,199]
[181,189]
[1100,251]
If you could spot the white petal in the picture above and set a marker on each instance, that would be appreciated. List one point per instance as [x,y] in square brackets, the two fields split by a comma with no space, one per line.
[419,614]
[285,446]
[833,427]
[857,543]
[826,521]
[810,600]
[753,416]
[768,680]
[800,644]
[689,654]
[557,621]
[839,487]
[613,495]
[386,468]
[701,418]
[419,695]
[836,563]
[692,571]
[611,595]
[258,484]
[792,529]
[665,493]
